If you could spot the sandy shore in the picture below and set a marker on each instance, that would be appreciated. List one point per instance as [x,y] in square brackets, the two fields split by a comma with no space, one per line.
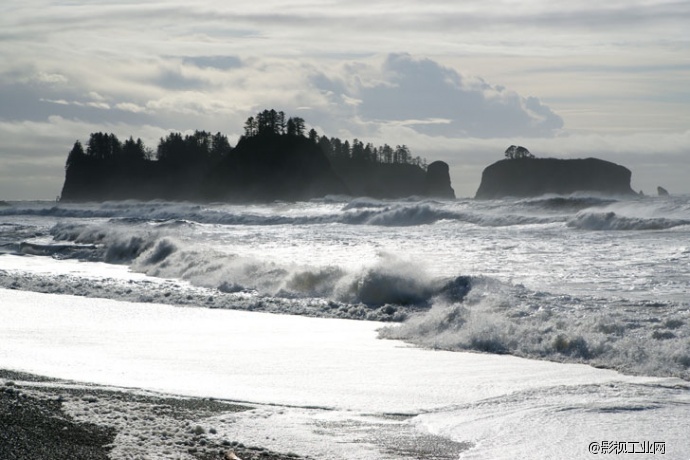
[42,418]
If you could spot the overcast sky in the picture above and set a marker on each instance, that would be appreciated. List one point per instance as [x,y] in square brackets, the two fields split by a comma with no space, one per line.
[455,81]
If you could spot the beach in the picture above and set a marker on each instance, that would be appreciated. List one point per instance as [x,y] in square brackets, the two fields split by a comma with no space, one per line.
[43,418]
[347,328]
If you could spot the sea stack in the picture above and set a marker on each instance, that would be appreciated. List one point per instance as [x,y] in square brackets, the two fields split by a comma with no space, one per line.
[437,181]
[526,177]
[662,191]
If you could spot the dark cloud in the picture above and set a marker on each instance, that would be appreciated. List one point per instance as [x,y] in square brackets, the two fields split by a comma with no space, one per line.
[419,91]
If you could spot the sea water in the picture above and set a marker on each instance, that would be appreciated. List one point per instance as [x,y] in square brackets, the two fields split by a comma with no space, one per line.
[596,281]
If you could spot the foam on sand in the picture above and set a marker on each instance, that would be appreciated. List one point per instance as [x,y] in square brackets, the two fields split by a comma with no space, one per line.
[336,364]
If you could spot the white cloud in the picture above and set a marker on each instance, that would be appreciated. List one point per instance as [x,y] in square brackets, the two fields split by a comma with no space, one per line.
[421,88]
[479,76]
[49,78]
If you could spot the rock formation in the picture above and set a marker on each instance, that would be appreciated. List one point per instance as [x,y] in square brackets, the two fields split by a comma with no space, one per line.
[380,180]
[275,159]
[662,191]
[260,168]
[538,176]
[437,181]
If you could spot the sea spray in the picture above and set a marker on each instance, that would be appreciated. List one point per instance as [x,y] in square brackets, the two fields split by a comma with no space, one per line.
[612,221]
[390,280]
[497,317]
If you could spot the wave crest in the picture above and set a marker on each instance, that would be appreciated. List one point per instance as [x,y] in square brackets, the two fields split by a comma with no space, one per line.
[612,221]
[497,317]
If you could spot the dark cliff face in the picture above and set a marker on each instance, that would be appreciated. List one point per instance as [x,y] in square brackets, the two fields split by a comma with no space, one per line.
[380,180]
[437,181]
[539,176]
[280,167]
[395,180]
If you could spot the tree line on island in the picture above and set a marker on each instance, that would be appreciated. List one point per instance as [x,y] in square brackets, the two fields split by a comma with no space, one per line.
[275,158]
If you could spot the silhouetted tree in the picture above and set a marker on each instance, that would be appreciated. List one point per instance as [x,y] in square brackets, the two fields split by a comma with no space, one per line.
[326,146]
[251,127]
[517,152]
[281,124]
[336,147]
[220,147]
[387,153]
[197,147]
[313,136]
[171,149]
[270,122]
[370,152]
[345,150]
[76,155]
[103,147]
[357,150]
[295,126]
[401,154]
[133,151]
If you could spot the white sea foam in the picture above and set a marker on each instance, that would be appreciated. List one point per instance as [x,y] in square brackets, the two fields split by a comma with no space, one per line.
[491,405]
[640,338]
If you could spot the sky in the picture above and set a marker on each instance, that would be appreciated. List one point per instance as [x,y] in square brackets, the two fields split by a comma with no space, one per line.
[454,81]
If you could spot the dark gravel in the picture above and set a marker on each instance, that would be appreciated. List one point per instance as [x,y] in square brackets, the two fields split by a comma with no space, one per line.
[34,424]
[33,429]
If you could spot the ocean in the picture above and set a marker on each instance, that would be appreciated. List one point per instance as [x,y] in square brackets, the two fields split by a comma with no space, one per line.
[516,328]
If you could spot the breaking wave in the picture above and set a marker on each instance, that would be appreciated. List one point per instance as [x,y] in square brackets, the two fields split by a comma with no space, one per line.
[495,317]
[454,313]
[566,203]
[388,282]
[612,221]
[361,211]
[155,253]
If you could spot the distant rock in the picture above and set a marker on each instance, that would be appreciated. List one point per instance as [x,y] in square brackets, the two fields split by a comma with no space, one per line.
[437,181]
[273,160]
[662,191]
[538,176]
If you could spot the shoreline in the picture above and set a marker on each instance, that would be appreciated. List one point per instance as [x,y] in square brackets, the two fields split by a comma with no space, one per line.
[41,417]
[47,418]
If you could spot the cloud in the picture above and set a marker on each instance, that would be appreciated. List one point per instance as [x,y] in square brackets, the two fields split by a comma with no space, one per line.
[434,100]
[423,89]
[586,78]
[215,62]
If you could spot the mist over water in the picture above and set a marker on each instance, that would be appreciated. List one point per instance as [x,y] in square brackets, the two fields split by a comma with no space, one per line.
[576,278]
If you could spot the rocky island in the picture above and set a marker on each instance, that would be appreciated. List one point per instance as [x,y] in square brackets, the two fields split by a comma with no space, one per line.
[274,160]
[526,176]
